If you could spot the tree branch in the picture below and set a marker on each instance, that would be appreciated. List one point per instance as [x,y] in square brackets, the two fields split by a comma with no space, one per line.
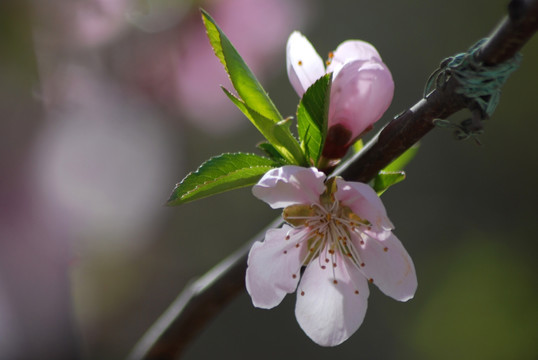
[205,297]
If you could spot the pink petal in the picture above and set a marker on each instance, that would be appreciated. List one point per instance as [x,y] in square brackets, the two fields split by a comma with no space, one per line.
[360,94]
[364,202]
[352,50]
[274,266]
[304,64]
[390,266]
[290,185]
[330,313]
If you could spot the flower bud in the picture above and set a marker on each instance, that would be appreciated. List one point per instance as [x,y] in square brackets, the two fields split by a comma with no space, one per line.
[361,92]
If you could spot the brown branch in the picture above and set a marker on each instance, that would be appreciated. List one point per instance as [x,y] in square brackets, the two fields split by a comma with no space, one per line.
[205,297]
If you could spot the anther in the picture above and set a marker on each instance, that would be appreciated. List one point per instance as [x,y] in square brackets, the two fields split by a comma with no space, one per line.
[285,251]
[371,280]
[300,63]
[335,281]
[287,237]
[334,264]
[323,267]
[385,249]
[302,293]
[357,292]
[362,264]
[297,245]
[294,276]
[362,242]
[326,260]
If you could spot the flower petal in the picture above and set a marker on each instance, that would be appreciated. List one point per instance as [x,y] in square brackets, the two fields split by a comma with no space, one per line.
[364,202]
[304,64]
[274,266]
[360,94]
[351,50]
[389,265]
[330,313]
[290,185]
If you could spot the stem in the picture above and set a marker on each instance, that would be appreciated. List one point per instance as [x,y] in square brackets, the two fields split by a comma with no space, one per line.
[204,298]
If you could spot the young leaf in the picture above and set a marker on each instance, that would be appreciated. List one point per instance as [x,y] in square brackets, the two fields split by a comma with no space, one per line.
[401,161]
[384,180]
[243,80]
[392,173]
[219,174]
[270,150]
[357,146]
[278,134]
[312,117]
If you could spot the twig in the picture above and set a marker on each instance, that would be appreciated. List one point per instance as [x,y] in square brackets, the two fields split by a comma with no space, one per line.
[205,297]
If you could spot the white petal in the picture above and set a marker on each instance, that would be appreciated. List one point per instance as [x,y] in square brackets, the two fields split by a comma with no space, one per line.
[351,50]
[390,266]
[290,185]
[330,313]
[274,267]
[364,202]
[304,64]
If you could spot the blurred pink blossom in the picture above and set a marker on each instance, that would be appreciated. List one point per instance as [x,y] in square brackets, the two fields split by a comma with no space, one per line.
[81,24]
[101,146]
[182,70]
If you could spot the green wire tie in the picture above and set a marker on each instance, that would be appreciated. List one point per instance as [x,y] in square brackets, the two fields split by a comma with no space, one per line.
[480,83]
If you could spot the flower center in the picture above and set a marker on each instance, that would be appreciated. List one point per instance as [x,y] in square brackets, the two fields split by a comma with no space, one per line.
[328,229]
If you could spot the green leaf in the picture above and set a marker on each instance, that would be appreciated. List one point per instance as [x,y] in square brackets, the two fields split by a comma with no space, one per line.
[312,116]
[270,150]
[219,174]
[401,161]
[357,146]
[385,179]
[278,134]
[243,80]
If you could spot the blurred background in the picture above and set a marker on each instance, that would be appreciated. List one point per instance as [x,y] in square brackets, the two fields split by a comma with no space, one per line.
[106,104]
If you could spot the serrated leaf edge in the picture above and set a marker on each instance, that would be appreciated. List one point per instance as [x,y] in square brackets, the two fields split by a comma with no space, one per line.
[220,177]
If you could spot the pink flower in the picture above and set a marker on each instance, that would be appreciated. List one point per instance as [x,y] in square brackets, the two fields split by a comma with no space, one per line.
[340,231]
[362,87]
